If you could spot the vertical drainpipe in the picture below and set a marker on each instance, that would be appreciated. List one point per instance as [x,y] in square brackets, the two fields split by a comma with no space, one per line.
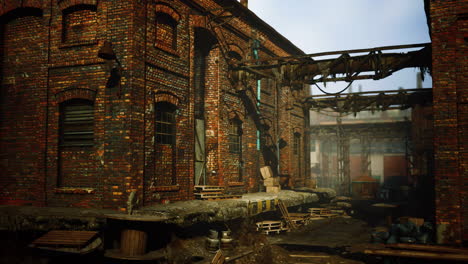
[259,89]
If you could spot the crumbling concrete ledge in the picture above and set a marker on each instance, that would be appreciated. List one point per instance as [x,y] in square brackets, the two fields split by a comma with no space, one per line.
[324,194]
[183,213]
[186,213]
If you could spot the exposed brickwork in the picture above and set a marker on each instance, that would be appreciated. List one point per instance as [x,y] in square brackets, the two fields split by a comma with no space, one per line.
[50,57]
[450,83]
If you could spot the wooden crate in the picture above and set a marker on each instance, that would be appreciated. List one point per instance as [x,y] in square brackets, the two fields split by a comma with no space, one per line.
[271,182]
[273,189]
[266,172]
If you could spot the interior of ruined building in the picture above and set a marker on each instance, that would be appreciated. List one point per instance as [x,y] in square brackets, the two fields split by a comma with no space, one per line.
[185,131]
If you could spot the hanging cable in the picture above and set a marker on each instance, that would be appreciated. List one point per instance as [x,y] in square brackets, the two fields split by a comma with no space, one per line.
[325,92]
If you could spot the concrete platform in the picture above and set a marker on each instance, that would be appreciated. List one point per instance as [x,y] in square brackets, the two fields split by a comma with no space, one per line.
[183,213]
[189,212]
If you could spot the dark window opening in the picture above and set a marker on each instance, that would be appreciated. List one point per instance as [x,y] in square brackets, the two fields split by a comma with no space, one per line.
[297,144]
[77,123]
[199,83]
[234,136]
[234,56]
[166,31]
[165,123]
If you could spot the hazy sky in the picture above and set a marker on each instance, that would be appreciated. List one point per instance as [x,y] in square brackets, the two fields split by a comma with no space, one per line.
[328,25]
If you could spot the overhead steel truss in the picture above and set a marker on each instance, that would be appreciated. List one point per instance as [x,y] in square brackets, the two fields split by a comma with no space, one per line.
[295,71]
[374,101]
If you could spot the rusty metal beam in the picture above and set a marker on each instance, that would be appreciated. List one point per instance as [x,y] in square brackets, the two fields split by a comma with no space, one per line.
[327,53]
[304,69]
[381,100]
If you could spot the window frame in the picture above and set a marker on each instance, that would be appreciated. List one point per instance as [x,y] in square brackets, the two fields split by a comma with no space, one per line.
[74,142]
[235,136]
[169,113]
[296,144]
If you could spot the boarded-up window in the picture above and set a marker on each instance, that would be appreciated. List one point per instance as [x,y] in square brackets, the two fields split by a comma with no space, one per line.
[79,24]
[77,123]
[166,31]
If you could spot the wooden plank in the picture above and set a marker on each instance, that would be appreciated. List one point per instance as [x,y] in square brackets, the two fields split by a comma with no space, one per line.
[269,223]
[208,188]
[222,197]
[68,234]
[218,258]
[285,213]
[243,254]
[267,232]
[209,195]
[417,254]
[431,248]
[309,256]
[65,238]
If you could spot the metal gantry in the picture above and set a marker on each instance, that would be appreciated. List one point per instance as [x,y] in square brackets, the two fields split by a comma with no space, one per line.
[295,71]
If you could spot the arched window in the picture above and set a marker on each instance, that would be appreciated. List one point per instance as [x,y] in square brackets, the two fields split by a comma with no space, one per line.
[79,24]
[166,31]
[235,136]
[76,123]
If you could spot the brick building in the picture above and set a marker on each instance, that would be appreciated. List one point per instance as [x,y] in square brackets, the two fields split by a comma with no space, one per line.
[449,35]
[155,113]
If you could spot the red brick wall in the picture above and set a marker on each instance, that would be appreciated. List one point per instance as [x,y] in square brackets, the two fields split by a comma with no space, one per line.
[449,73]
[23,111]
[43,66]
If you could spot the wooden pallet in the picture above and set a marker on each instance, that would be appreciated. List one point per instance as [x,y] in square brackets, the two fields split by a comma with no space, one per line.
[65,238]
[208,188]
[322,212]
[338,212]
[224,197]
[273,231]
[207,195]
[303,216]
[218,258]
[271,227]
[298,222]
[269,224]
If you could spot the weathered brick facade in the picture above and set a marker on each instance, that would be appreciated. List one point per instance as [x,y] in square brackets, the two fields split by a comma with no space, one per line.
[171,60]
[449,33]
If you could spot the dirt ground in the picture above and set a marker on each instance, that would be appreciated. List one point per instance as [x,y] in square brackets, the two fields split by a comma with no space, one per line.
[321,241]
[325,241]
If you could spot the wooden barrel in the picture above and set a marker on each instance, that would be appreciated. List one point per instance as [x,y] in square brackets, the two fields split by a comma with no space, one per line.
[133,242]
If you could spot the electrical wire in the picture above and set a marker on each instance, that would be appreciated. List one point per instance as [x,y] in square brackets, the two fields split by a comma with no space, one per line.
[325,92]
